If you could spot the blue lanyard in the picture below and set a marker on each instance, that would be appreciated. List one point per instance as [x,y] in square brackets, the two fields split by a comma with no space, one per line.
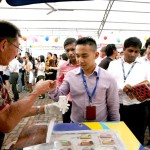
[125,77]
[86,87]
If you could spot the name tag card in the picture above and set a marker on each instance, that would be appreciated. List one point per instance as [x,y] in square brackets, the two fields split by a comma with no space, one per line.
[90,113]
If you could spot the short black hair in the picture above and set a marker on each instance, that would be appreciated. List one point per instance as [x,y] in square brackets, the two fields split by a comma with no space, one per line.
[64,56]
[147,43]
[103,49]
[50,53]
[87,41]
[69,41]
[42,58]
[109,49]
[8,30]
[142,51]
[30,57]
[132,41]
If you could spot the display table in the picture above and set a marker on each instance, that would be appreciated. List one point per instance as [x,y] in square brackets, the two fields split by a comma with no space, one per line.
[129,140]
[126,135]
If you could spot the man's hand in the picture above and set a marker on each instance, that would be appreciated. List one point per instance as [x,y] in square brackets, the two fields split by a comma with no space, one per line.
[53,85]
[127,88]
[44,86]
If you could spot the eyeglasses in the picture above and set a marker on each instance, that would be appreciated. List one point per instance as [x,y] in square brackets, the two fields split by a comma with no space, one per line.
[19,49]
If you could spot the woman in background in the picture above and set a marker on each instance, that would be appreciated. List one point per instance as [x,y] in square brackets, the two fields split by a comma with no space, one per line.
[41,71]
[50,72]
[29,72]
[55,58]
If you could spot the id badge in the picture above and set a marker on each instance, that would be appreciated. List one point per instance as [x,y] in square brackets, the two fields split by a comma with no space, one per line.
[90,112]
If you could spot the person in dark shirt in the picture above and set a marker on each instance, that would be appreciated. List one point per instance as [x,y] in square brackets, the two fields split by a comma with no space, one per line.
[111,53]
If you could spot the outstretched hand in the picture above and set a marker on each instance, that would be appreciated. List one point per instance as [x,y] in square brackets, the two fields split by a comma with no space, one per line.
[44,86]
[53,85]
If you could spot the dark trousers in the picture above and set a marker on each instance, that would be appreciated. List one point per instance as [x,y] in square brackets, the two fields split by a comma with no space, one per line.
[66,116]
[148,123]
[23,75]
[135,117]
[14,80]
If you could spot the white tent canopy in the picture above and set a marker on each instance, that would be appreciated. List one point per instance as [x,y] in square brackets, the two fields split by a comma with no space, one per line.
[97,18]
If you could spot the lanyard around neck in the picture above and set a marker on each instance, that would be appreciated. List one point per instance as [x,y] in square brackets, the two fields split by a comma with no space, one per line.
[86,87]
[125,77]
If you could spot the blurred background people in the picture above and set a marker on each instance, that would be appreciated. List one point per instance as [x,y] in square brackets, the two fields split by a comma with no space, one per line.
[20,72]
[14,75]
[41,72]
[29,72]
[102,55]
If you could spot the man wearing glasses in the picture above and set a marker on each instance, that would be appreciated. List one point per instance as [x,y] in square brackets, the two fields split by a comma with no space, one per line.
[12,112]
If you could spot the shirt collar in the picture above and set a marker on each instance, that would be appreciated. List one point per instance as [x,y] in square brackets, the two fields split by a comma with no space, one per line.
[145,58]
[69,64]
[94,72]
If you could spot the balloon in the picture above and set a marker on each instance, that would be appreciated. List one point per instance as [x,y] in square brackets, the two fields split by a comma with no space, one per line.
[35,39]
[105,37]
[118,40]
[56,39]
[145,38]
[24,38]
[46,38]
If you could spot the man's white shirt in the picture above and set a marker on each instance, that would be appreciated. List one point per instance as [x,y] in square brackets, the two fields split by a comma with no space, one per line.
[14,66]
[139,73]
[144,59]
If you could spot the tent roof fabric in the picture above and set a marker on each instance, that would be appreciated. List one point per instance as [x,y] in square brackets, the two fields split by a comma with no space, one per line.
[114,19]
[28,2]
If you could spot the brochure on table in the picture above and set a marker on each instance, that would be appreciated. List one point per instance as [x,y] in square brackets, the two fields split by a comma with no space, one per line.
[90,136]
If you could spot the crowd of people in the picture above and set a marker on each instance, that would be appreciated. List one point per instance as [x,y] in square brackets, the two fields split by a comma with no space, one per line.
[95,83]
